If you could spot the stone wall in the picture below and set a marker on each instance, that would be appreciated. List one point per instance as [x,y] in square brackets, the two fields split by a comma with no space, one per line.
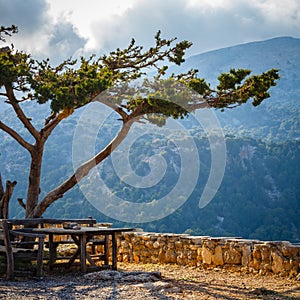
[249,255]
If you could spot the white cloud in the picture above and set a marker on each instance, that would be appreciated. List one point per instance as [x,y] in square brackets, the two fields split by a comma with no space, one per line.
[59,29]
[208,24]
[39,33]
[83,14]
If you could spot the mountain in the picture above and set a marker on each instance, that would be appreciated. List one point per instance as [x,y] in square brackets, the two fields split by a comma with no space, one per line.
[282,108]
[259,194]
[281,53]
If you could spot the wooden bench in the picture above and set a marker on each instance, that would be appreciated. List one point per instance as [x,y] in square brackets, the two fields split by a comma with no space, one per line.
[12,247]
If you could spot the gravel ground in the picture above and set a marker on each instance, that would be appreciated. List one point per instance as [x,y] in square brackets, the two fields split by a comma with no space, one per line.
[140,281]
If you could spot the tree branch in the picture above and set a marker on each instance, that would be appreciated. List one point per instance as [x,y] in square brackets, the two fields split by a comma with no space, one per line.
[134,59]
[1,187]
[16,137]
[22,204]
[53,120]
[50,126]
[116,108]
[19,112]
[51,117]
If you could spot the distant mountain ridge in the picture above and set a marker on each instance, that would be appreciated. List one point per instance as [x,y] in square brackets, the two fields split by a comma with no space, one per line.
[281,53]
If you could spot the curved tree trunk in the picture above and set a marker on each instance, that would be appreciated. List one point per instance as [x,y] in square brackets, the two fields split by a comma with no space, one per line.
[34,180]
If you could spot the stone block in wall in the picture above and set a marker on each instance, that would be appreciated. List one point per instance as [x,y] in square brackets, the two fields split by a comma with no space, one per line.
[264,268]
[193,247]
[144,255]
[255,264]
[178,245]
[206,255]
[256,251]
[210,244]
[291,251]
[170,246]
[128,236]
[136,258]
[161,255]
[138,247]
[246,254]
[170,256]
[145,237]
[125,245]
[278,262]
[217,257]
[154,259]
[265,253]
[156,245]
[181,258]
[232,255]
[149,245]
[191,254]
[196,240]
[124,258]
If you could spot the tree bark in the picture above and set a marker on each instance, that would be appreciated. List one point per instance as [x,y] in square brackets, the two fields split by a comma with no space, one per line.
[5,196]
[34,179]
[1,187]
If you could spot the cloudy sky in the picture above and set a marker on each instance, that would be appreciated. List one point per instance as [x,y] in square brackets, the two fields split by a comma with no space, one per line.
[62,28]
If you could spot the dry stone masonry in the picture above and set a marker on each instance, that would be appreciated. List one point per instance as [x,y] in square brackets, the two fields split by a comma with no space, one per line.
[250,255]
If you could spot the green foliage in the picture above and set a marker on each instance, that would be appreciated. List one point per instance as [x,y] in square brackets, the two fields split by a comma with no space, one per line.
[229,80]
[14,69]
[69,88]
[71,84]
[200,86]
[235,88]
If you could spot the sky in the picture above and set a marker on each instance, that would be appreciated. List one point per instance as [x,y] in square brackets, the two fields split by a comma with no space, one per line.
[59,29]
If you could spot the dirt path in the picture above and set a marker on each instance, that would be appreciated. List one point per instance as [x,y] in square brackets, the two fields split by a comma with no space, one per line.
[176,282]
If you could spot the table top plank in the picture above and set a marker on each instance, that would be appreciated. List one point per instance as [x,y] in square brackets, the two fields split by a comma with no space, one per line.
[82,230]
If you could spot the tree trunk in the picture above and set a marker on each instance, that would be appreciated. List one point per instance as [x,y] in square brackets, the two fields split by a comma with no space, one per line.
[34,180]
[5,196]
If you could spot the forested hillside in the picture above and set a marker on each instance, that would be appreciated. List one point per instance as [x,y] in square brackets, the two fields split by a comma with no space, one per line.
[259,194]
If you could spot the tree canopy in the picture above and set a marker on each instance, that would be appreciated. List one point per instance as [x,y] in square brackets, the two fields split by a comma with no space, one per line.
[76,82]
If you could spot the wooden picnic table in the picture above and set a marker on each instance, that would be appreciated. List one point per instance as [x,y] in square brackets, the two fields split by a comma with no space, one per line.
[81,236]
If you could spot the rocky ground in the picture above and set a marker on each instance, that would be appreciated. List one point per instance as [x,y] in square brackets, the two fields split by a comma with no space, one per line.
[137,281]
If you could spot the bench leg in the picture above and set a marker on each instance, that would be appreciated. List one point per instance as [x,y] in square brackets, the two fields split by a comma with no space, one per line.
[106,249]
[83,253]
[52,251]
[10,266]
[9,252]
[40,257]
[114,251]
